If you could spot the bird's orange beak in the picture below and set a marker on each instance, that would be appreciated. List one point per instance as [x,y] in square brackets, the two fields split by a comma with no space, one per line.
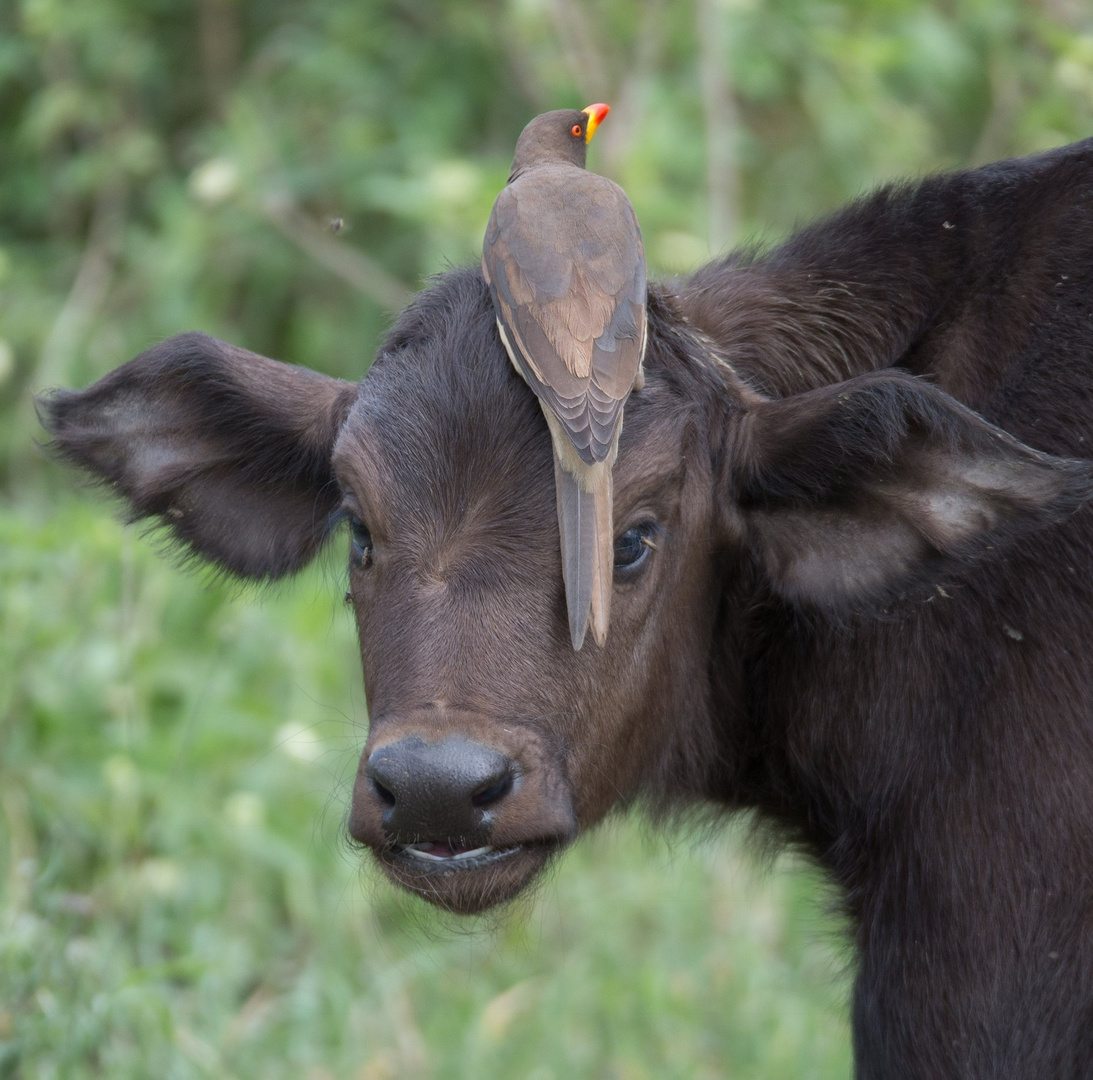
[595,114]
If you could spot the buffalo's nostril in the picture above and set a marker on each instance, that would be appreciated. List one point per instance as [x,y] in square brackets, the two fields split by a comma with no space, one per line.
[492,793]
[386,796]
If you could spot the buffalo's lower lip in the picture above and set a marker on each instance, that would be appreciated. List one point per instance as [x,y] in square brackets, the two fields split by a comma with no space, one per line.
[468,880]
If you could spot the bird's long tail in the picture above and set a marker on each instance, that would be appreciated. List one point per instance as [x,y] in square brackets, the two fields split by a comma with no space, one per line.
[603,495]
[585,522]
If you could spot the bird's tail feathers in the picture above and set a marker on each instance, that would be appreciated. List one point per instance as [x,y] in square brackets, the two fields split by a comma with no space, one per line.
[577,521]
[603,576]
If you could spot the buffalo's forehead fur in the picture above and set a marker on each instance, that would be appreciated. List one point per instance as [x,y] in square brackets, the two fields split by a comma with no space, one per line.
[449,435]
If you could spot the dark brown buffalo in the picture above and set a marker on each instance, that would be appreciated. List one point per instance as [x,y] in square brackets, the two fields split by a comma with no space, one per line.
[853,586]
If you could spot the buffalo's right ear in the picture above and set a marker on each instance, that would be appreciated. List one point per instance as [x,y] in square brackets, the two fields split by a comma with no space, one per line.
[852,494]
[229,450]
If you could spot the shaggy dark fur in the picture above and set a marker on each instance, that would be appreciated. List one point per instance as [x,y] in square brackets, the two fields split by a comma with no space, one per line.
[865,608]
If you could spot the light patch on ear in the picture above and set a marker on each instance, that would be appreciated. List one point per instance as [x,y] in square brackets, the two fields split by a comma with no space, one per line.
[962,496]
[1031,479]
[831,557]
[946,517]
[157,458]
[954,516]
[140,446]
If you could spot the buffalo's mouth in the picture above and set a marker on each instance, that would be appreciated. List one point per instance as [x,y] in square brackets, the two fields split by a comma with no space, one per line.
[466,880]
[446,856]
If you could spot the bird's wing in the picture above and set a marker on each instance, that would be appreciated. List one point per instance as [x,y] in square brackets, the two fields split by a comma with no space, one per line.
[564,260]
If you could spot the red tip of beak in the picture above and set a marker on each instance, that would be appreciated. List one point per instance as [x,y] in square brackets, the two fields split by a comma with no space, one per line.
[595,114]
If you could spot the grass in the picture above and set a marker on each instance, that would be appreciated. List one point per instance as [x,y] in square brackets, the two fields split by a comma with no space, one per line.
[176,899]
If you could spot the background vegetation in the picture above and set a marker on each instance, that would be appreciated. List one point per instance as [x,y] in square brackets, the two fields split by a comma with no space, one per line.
[175,898]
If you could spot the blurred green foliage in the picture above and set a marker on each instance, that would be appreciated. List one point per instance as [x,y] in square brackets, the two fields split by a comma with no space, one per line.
[175,897]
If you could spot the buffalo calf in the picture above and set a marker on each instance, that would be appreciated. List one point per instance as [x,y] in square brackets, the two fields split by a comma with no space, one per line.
[853,586]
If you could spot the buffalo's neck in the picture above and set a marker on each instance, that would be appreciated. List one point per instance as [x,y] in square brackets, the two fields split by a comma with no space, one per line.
[933,764]
[930,754]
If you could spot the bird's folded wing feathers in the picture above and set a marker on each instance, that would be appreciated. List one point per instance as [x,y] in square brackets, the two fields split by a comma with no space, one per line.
[571,300]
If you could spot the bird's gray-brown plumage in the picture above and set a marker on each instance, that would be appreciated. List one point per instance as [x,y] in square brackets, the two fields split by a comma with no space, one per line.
[565,264]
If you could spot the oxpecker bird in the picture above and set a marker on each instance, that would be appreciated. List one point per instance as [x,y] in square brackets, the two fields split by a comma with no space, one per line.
[565,264]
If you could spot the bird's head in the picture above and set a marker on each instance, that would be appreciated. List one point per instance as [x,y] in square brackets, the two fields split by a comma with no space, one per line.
[559,136]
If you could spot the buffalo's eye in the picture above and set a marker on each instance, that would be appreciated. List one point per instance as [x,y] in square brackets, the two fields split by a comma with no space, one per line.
[633,547]
[361,543]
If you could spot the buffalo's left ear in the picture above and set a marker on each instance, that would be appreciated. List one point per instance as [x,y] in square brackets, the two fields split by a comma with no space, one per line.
[849,495]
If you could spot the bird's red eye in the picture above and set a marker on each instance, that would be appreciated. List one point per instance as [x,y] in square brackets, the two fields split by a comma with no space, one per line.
[576,131]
